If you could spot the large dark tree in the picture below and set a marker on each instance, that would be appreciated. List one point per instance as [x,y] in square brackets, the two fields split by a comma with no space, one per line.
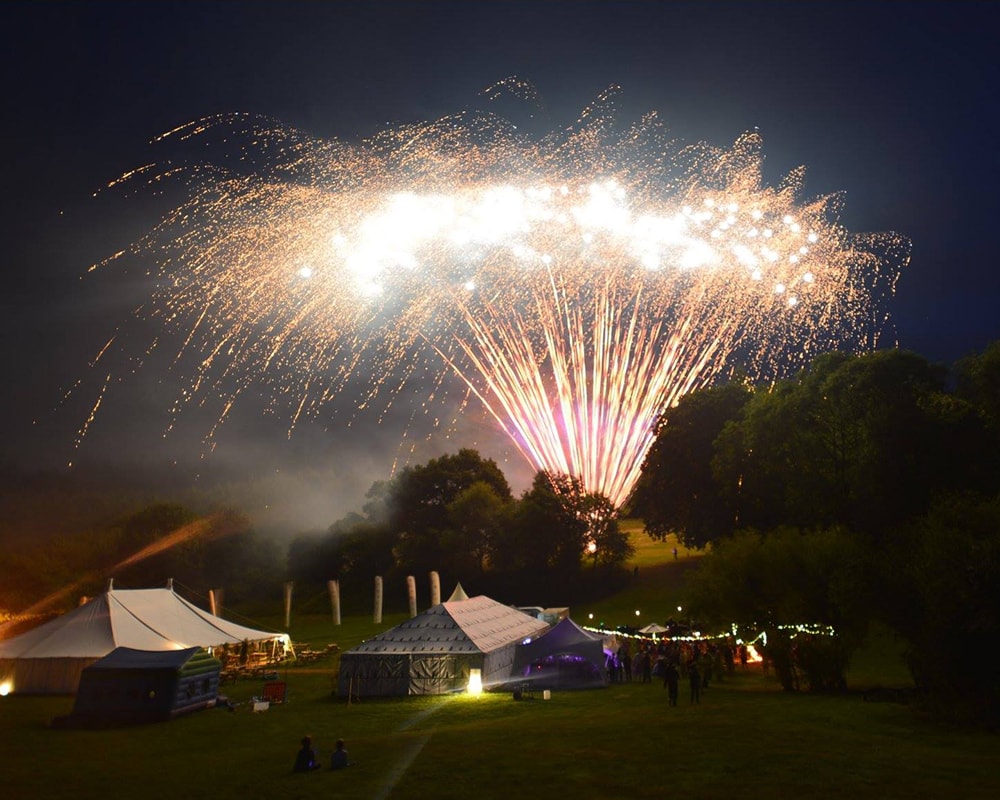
[607,545]
[545,531]
[874,486]
[476,516]
[456,515]
[418,502]
[677,492]
[786,578]
[865,442]
[418,497]
[590,512]
[941,595]
[978,382]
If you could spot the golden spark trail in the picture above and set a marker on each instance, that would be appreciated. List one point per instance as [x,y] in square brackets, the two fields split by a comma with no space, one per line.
[577,284]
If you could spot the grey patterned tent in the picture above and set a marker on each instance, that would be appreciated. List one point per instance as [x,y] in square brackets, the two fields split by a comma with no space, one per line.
[433,652]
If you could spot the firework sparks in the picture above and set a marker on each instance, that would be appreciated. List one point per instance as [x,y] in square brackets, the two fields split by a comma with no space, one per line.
[577,285]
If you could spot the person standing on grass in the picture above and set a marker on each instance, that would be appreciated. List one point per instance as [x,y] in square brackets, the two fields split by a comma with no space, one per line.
[671,678]
[694,678]
[705,665]
[625,659]
[611,667]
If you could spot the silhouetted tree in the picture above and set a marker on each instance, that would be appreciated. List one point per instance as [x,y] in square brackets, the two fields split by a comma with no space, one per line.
[606,544]
[977,380]
[865,442]
[938,591]
[677,491]
[545,532]
[476,517]
[418,500]
[784,578]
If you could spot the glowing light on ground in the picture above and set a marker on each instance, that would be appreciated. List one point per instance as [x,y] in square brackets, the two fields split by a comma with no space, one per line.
[475,682]
[576,285]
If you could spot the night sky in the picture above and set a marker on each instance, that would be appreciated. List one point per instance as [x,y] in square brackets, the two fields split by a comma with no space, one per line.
[894,103]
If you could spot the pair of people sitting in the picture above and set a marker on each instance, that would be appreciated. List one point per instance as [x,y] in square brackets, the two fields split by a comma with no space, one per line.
[306,761]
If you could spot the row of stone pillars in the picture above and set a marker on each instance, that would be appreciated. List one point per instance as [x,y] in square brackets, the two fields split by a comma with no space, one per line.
[333,587]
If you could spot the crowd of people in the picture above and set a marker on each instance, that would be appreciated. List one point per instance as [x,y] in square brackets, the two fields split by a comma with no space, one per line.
[672,661]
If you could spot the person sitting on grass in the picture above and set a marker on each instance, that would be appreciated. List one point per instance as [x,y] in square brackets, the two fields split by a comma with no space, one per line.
[305,759]
[339,758]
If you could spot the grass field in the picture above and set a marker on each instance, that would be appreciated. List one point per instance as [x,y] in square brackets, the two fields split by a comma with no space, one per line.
[745,737]
[655,592]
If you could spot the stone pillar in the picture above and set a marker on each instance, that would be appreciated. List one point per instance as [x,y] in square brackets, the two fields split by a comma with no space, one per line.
[215,602]
[411,594]
[435,589]
[289,585]
[333,587]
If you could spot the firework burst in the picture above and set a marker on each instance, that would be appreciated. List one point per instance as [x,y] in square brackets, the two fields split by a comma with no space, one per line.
[577,284]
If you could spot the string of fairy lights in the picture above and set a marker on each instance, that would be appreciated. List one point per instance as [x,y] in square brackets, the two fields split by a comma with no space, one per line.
[735,633]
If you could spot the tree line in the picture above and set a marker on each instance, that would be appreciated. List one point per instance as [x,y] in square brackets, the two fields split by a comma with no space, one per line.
[866,489]
[456,515]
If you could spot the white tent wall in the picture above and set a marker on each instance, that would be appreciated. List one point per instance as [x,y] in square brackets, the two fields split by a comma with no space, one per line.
[44,675]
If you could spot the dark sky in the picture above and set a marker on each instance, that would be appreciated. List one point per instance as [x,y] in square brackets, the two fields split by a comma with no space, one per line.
[895,103]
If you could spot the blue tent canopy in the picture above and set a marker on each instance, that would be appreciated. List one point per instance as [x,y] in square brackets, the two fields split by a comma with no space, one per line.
[564,657]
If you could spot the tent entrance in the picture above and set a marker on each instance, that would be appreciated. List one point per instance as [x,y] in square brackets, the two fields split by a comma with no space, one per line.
[563,671]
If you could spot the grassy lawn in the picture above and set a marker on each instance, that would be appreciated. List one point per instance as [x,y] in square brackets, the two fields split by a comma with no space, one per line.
[654,591]
[648,552]
[746,736]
